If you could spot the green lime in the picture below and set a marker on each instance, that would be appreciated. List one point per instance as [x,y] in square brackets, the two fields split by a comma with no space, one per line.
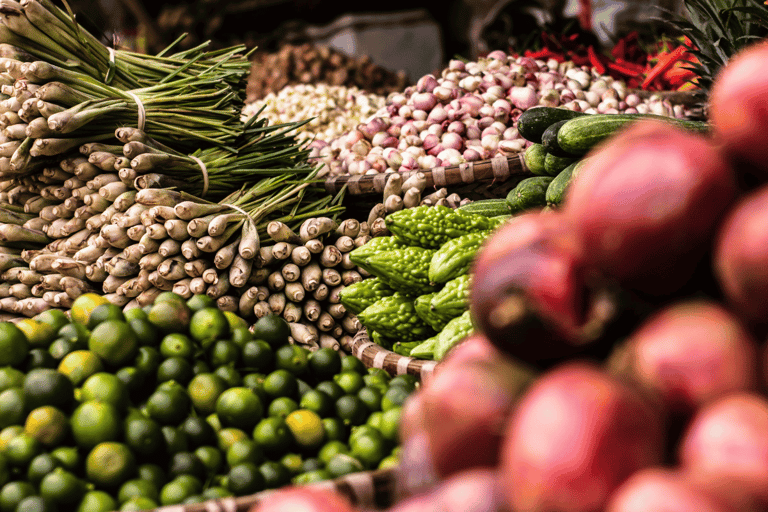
[407,381]
[61,347]
[97,501]
[281,383]
[143,436]
[105,387]
[136,488]
[84,305]
[76,333]
[231,376]
[273,329]
[309,477]
[389,462]
[239,407]
[307,428]
[62,487]
[374,420]
[211,458]
[229,436]
[273,435]
[369,449]
[67,456]
[95,422]
[48,425]
[214,422]
[318,402]
[10,378]
[241,335]
[147,360]
[198,431]
[12,411]
[371,397]
[110,464]
[139,503]
[293,358]
[303,387]
[38,334]
[175,440]
[363,430]
[351,410]
[235,321]
[394,397]
[223,352]
[282,406]
[351,382]
[45,386]
[335,430]
[169,405]
[342,464]
[13,345]
[36,504]
[114,342]
[255,382]
[200,301]
[200,366]
[177,345]
[170,316]
[208,324]
[216,492]
[245,450]
[54,317]
[147,334]
[292,462]
[330,449]
[311,464]
[21,449]
[325,363]
[102,313]
[331,389]
[132,378]
[179,489]
[169,297]
[8,433]
[377,381]
[350,363]
[204,389]
[186,463]
[275,475]
[79,365]
[245,479]
[176,369]
[132,314]
[39,358]
[13,493]
[390,424]
[257,356]
[40,466]
[153,473]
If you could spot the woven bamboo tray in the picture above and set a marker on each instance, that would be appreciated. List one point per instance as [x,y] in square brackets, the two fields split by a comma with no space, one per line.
[479,178]
[376,356]
[370,490]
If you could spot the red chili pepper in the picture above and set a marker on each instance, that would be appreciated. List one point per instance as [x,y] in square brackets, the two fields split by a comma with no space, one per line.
[665,62]
[594,60]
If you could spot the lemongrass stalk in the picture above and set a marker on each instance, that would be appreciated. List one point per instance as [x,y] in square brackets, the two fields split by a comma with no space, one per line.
[331,277]
[225,255]
[151,261]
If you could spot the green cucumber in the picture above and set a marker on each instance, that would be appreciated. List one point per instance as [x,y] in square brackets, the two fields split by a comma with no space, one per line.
[532,123]
[534,159]
[558,187]
[487,207]
[529,193]
[554,164]
[550,143]
[580,135]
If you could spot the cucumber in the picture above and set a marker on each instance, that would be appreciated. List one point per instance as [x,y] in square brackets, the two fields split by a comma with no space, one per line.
[532,123]
[550,143]
[534,159]
[554,164]
[578,136]
[487,207]
[558,187]
[529,193]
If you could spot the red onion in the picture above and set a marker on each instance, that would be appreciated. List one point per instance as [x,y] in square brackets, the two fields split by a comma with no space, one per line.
[378,138]
[393,157]
[428,162]
[456,65]
[472,103]
[523,97]
[443,93]
[405,111]
[414,140]
[430,141]
[426,83]
[353,137]
[408,129]
[436,150]
[435,129]
[470,83]
[510,133]
[449,156]
[474,132]
[424,101]
[471,155]
[437,115]
[485,122]
[456,127]
[452,140]
[498,55]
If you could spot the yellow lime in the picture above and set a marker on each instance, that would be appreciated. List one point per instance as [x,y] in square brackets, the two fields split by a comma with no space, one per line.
[13,345]
[110,464]
[9,433]
[39,334]
[97,501]
[48,425]
[84,305]
[234,321]
[79,365]
[204,389]
[306,427]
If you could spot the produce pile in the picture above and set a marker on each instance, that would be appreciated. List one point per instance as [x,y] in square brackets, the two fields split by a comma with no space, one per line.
[467,114]
[179,403]
[309,64]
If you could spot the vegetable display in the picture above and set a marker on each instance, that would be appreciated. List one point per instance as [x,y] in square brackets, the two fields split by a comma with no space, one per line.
[179,402]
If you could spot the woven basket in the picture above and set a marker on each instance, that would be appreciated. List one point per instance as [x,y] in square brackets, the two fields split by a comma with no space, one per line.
[376,356]
[479,178]
[370,490]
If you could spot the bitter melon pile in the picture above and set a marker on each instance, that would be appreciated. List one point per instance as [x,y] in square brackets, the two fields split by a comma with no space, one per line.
[417,302]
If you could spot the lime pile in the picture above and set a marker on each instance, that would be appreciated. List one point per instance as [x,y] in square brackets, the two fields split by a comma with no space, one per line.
[179,403]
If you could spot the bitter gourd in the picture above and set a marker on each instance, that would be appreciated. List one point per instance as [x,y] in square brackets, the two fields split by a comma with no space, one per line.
[456,330]
[375,245]
[455,256]
[423,305]
[405,270]
[358,296]
[424,349]
[453,299]
[395,317]
[432,226]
